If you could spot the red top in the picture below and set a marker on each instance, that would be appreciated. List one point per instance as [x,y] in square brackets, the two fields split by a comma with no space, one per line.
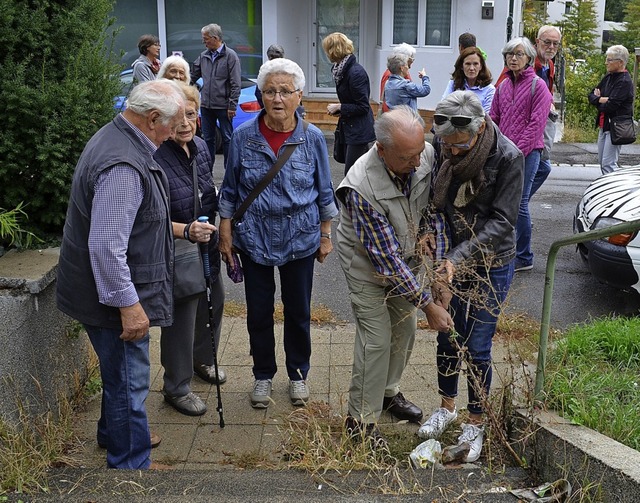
[275,139]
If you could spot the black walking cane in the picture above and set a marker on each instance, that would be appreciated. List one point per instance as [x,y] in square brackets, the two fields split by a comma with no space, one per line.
[204,250]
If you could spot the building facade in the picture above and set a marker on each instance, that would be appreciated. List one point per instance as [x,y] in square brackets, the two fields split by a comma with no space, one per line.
[375,26]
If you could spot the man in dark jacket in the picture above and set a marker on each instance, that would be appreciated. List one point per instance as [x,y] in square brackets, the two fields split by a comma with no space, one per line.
[219,67]
[116,261]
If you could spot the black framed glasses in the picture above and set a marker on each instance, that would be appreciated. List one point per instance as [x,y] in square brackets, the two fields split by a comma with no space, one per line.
[456,120]
[284,94]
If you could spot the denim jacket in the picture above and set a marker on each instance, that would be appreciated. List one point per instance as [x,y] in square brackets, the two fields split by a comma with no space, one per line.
[283,223]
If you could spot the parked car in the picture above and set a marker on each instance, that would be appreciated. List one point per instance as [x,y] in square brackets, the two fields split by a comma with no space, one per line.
[612,199]
[248,106]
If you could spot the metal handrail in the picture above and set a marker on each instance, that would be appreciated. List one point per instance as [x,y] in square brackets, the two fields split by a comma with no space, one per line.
[625,227]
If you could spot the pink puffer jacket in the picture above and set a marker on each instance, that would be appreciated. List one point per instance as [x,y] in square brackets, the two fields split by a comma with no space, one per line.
[520,115]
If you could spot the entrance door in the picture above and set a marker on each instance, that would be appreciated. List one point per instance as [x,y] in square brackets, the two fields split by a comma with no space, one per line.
[331,16]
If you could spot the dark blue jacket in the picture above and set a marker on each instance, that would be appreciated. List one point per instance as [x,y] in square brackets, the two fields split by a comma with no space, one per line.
[177,166]
[618,87]
[356,116]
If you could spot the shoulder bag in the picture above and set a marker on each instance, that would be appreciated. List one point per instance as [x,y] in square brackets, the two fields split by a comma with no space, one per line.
[623,130]
[188,272]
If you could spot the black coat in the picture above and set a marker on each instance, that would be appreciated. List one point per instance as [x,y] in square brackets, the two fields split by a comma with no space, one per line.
[618,87]
[356,116]
[177,166]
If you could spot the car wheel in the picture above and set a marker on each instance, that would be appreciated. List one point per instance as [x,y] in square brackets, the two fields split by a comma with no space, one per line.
[584,252]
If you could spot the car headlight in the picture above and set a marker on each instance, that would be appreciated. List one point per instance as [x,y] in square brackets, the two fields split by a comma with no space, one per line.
[617,239]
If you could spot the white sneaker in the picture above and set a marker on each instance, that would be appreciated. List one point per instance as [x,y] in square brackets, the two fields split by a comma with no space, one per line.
[261,394]
[437,423]
[298,392]
[473,435]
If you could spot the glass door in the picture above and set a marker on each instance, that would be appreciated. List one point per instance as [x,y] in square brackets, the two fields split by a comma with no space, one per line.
[331,16]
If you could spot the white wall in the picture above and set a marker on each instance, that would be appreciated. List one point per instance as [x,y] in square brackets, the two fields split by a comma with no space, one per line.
[556,9]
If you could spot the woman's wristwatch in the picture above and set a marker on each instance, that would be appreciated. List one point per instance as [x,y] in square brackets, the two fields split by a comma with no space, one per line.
[325,235]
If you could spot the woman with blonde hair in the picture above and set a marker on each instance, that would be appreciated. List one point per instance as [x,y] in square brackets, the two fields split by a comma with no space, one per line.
[353,90]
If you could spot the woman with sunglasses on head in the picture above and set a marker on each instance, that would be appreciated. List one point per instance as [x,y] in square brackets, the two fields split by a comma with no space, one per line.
[476,189]
[520,109]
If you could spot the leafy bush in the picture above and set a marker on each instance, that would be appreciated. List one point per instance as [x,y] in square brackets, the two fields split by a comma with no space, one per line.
[580,81]
[57,90]
[593,378]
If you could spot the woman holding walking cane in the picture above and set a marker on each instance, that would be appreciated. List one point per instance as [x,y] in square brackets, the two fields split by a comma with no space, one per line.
[186,346]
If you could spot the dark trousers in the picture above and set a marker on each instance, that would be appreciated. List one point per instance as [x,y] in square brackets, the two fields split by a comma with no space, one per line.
[212,118]
[296,281]
[353,153]
[475,322]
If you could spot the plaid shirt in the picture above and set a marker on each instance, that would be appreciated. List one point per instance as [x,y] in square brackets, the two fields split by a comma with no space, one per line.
[378,237]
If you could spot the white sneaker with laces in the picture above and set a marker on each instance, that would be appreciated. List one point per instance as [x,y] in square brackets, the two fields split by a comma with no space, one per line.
[437,423]
[298,392]
[261,394]
[473,435]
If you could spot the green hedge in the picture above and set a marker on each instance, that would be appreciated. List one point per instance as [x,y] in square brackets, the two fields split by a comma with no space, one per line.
[57,89]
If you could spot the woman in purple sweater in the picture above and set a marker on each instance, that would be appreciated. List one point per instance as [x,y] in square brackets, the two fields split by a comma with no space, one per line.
[520,108]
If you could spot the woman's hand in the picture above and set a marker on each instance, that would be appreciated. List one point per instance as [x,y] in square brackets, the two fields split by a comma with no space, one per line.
[225,246]
[326,247]
[438,317]
[333,109]
[200,232]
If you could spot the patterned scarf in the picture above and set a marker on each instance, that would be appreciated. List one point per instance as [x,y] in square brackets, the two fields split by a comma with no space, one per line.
[338,69]
[466,168]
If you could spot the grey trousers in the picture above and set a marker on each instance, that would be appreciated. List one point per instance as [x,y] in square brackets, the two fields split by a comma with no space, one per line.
[188,340]
[608,153]
[385,333]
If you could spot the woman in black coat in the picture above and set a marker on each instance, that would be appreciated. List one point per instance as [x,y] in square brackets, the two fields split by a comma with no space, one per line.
[613,98]
[353,89]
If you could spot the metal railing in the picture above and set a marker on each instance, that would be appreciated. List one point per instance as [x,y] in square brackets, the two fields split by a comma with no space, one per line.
[548,288]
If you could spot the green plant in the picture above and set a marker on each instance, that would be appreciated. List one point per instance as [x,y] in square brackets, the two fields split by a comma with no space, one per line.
[58,90]
[594,370]
[11,232]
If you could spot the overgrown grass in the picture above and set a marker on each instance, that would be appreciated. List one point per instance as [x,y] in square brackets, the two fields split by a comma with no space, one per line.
[593,378]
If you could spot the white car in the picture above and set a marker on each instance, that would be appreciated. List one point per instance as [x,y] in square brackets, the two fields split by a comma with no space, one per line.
[612,199]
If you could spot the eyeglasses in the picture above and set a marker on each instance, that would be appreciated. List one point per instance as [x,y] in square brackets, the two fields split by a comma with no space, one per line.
[284,94]
[551,43]
[191,116]
[456,120]
[461,146]
[518,55]
[611,60]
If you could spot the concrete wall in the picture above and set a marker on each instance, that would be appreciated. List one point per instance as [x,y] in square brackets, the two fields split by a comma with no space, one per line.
[43,354]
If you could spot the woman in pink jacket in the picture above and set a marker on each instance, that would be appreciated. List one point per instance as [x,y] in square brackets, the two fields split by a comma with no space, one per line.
[520,108]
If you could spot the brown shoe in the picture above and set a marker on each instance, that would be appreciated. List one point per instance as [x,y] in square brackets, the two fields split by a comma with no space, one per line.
[159,466]
[359,432]
[154,437]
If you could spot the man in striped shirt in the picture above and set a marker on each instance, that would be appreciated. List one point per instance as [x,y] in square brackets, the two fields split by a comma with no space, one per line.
[384,198]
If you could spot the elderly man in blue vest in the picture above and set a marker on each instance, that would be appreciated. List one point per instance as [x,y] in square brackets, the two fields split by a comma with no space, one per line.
[116,261]
[384,198]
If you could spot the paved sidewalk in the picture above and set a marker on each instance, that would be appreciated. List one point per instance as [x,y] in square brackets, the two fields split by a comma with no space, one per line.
[198,442]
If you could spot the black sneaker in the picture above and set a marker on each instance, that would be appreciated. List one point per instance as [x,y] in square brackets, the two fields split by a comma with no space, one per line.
[370,433]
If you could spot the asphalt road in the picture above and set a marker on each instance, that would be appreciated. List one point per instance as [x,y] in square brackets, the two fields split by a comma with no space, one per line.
[577,296]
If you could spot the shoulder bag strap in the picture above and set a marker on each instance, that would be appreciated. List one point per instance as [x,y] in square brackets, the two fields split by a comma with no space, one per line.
[195,189]
[266,180]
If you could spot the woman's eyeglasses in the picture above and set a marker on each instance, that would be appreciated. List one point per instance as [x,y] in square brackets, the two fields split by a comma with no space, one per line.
[284,94]
[461,146]
[518,55]
[456,120]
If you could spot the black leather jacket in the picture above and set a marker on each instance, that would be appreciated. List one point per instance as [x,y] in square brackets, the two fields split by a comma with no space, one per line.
[485,228]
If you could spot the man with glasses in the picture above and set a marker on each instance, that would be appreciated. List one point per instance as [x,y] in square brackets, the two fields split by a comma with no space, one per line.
[219,67]
[384,197]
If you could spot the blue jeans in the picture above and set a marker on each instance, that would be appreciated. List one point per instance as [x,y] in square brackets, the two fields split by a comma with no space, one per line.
[125,372]
[544,169]
[296,281]
[209,116]
[475,325]
[524,255]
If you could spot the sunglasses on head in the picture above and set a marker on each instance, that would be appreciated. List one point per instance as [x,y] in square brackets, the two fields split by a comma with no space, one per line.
[456,120]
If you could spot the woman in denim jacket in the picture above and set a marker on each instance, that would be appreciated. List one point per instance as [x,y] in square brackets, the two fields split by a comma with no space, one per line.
[287,226]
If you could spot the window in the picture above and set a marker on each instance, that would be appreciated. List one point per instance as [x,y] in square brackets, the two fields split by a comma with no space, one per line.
[136,19]
[422,22]
[438,22]
[567,7]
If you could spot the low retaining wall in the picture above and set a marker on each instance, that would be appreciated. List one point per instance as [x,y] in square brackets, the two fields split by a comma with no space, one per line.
[586,458]
[44,353]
